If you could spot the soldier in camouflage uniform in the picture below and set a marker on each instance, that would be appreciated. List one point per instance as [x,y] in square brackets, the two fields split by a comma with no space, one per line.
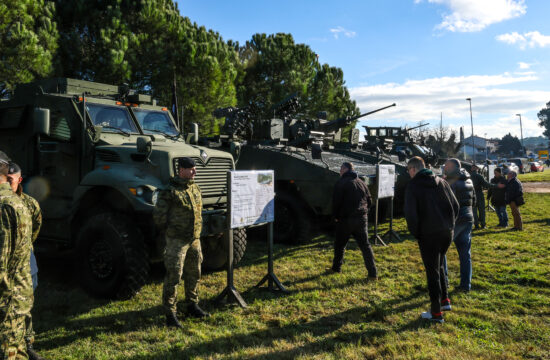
[178,212]
[16,294]
[15,179]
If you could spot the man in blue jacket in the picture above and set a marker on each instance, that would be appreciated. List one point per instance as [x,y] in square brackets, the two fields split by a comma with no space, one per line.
[431,210]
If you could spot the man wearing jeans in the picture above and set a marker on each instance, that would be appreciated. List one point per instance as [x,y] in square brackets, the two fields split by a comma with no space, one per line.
[496,195]
[431,210]
[463,188]
[351,201]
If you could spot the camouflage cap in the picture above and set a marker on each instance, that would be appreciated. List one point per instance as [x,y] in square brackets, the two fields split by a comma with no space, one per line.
[186,162]
[13,168]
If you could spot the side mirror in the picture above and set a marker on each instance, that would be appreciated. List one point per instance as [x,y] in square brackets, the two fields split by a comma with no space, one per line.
[41,121]
[193,136]
[144,145]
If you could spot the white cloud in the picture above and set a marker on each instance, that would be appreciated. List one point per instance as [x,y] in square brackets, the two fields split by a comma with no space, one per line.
[524,66]
[494,103]
[340,30]
[475,15]
[530,39]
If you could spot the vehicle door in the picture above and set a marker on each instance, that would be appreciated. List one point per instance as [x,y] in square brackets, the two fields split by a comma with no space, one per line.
[56,172]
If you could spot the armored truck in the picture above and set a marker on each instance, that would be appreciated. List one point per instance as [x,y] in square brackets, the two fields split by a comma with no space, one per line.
[95,156]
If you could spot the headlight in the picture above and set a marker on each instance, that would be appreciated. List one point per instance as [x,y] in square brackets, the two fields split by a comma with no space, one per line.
[143,192]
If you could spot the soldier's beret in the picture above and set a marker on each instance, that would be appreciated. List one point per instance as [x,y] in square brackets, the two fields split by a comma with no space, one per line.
[4,159]
[186,163]
[13,168]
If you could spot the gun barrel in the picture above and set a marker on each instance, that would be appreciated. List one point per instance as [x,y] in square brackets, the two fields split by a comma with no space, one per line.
[372,112]
[418,126]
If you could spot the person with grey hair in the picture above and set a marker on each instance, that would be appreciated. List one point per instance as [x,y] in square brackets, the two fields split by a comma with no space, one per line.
[463,189]
[514,198]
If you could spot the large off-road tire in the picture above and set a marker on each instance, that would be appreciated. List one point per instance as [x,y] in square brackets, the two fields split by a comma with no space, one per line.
[111,256]
[214,250]
[292,221]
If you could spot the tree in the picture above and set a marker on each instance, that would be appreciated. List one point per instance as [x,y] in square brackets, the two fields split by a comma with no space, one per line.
[544,120]
[28,41]
[509,145]
[273,67]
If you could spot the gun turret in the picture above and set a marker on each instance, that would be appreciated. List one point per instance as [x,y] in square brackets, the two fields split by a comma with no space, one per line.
[237,121]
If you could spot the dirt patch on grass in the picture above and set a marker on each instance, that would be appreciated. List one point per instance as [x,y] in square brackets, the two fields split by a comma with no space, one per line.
[536,187]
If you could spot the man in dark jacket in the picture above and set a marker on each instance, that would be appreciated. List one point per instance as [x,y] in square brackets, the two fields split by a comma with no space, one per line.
[479,208]
[350,204]
[496,196]
[514,198]
[431,210]
[463,188]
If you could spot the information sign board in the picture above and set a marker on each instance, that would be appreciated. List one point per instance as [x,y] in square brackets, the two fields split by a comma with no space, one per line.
[386,181]
[252,197]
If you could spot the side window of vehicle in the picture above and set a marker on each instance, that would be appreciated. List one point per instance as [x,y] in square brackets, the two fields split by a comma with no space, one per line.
[59,127]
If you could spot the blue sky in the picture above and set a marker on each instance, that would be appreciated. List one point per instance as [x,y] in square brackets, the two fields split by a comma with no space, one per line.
[428,56]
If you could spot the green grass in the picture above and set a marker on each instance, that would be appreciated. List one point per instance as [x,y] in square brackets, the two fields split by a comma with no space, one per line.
[535,176]
[506,316]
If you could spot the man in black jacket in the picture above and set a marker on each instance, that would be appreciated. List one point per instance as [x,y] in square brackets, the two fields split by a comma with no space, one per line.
[463,188]
[431,210]
[350,204]
[514,198]
[479,208]
[496,196]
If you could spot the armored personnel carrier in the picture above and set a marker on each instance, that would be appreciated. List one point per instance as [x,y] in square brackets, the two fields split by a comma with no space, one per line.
[94,156]
[297,149]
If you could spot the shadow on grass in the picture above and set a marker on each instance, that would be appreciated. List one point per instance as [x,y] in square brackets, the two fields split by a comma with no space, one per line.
[326,330]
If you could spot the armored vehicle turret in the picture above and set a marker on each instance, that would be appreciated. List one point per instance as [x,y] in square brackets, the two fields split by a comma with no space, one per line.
[94,156]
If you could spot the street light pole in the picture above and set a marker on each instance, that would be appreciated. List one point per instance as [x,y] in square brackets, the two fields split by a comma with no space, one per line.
[472,122]
[486,150]
[521,132]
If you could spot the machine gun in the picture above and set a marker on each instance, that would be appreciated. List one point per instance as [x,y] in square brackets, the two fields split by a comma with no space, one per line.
[238,121]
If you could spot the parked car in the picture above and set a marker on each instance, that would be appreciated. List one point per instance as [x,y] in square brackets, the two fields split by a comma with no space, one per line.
[507,167]
[536,166]
[522,163]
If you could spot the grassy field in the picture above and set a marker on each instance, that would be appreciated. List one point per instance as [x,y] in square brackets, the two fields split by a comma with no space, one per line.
[505,316]
[535,176]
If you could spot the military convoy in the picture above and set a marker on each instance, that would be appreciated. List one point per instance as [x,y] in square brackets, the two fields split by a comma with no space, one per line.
[94,156]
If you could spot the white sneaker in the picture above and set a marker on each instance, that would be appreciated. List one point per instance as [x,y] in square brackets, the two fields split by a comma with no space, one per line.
[446,305]
[427,315]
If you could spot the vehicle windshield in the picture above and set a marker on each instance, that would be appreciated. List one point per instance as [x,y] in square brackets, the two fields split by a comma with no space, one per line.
[422,149]
[155,121]
[111,117]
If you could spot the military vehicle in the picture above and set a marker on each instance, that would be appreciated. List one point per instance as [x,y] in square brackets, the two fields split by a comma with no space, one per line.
[389,145]
[95,155]
[298,150]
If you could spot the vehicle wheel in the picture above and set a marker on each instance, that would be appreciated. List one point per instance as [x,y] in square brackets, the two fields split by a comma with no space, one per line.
[111,256]
[292,222]
[214,250]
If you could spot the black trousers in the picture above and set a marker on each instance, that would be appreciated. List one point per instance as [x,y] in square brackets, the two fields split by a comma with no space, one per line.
[433,250]
[358,228]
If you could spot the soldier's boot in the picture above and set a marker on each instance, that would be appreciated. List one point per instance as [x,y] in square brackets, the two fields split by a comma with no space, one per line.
[195,311]
[33,355]
[172,321]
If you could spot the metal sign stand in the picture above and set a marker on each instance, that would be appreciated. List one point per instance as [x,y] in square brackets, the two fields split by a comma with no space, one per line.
[377,239]
[271,278]
[230,292]
[391,233]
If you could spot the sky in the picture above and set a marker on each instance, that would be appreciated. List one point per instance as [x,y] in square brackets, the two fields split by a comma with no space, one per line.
[427,56]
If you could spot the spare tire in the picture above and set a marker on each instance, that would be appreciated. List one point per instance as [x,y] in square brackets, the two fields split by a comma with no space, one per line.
[111,256]
[214,250]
